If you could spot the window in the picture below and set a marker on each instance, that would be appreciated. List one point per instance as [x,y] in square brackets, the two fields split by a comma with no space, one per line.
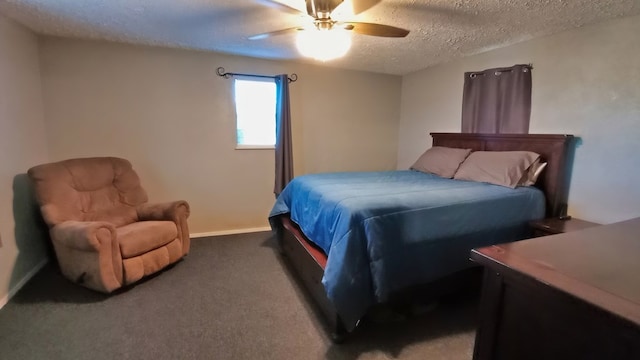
[256,113]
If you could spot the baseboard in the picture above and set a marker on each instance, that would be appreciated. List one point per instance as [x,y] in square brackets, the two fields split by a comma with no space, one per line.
[5,299]
[22,282]
[230,232]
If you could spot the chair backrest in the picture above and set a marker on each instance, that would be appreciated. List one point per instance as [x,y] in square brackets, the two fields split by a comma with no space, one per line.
[88,189]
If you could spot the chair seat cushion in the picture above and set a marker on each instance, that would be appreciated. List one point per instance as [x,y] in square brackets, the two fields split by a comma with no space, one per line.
[143,236]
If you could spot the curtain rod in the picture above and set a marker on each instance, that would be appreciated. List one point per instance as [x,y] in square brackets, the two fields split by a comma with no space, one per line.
[220,71]
[527,67]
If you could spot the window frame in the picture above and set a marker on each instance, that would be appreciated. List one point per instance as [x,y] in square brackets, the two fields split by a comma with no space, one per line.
[254,79]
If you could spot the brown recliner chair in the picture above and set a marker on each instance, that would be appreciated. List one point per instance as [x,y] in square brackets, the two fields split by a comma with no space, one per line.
[104,233]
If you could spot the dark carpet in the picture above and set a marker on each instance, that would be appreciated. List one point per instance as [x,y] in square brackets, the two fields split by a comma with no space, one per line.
[231,298]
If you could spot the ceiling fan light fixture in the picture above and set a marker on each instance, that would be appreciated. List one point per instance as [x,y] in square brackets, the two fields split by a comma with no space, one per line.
[323,45]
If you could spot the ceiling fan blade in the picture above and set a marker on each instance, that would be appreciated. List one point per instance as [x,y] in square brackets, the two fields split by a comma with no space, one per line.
[322,8]
[375,29]
[281,6]
[276,33]
[363,5]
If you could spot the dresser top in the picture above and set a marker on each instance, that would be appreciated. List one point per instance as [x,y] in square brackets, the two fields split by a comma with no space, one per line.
[600,265]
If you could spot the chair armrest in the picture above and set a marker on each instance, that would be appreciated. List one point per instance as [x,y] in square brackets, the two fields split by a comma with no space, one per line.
[172,211]
[177,211]
[85,236]
[88,253]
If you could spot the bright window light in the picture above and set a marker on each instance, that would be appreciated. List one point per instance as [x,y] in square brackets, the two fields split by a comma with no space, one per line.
[256,112]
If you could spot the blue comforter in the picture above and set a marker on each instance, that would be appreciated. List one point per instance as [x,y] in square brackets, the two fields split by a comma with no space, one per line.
[384,231]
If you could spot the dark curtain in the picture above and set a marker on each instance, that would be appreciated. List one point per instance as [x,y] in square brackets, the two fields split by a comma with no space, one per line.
[284,154]
[497,100]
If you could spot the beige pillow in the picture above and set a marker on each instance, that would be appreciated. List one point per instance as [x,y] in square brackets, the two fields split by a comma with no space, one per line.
[504,168]
[530,177]
[442,161]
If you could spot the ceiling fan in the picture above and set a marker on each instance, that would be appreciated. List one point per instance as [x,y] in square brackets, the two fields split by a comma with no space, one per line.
[320,11]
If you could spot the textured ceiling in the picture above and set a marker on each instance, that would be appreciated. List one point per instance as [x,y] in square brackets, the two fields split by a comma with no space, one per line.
[440,29]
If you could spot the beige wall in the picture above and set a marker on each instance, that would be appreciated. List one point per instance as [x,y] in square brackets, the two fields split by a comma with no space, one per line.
[585,82]
[172,116]
[22,145]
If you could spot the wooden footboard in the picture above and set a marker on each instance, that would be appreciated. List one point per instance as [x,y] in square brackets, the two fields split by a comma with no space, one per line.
[309,262]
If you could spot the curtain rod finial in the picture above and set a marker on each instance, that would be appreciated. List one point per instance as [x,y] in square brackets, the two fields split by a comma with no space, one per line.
[220,71]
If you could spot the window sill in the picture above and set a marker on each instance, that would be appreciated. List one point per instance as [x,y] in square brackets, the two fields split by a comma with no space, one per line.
[255,147]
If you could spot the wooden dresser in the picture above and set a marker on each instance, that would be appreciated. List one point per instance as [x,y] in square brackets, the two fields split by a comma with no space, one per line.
[567,296]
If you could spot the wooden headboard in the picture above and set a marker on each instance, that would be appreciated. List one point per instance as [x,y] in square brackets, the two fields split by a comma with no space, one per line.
[552,148]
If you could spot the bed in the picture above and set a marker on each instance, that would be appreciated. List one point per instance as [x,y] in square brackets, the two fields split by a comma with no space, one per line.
[387,231]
